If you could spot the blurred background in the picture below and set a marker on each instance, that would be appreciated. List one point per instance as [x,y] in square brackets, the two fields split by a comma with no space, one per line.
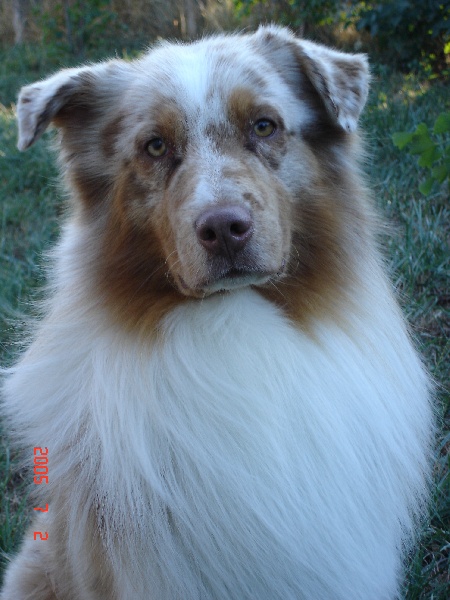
[404,33]
[406,128]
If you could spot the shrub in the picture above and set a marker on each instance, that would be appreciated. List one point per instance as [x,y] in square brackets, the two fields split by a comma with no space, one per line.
[300,15]
[408,33]
[432,148]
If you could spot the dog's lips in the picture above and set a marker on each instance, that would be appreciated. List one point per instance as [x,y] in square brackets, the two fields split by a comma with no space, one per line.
[234,279]
[231,279]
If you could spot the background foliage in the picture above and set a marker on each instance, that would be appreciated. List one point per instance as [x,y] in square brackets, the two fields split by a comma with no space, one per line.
[408,33]
[433,149]
[407,134]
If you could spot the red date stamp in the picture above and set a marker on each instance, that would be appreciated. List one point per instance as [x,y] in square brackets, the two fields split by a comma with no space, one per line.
[40,471]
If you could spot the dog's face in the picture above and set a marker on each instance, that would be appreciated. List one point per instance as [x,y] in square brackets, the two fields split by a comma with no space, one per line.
[209,166]
[209,159]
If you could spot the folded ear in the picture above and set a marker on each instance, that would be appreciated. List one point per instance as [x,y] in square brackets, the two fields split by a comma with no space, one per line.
[43,102]
[340,79]
[39,102]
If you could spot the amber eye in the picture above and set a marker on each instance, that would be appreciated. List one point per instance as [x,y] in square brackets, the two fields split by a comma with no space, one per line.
[264,127]
[156,147]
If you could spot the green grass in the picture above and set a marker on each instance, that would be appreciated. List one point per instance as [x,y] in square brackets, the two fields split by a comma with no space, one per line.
[416,247]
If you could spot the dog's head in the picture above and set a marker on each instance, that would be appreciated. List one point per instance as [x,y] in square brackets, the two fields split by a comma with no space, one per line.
[210,166]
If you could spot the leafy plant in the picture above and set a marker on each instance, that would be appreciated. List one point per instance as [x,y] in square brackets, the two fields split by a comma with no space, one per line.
[296,13]
[432,148]
[78,26]
[407,33]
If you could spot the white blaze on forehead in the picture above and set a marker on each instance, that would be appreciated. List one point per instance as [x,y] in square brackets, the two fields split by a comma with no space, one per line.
[200,77]
[191,78]
[181,72]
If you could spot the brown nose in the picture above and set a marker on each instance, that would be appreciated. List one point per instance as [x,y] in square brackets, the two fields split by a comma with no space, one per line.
[224,230]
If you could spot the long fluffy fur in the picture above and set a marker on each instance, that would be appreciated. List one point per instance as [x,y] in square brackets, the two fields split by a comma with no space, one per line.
[236,454]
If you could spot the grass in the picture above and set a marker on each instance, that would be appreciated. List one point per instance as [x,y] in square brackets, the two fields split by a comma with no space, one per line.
[419,254]
[416,246]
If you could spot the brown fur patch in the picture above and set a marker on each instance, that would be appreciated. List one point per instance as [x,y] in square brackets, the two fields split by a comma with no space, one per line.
[132,273]
[244,110]
[167,121]
[110,134]
[349,69]
[242,103]
[330,232]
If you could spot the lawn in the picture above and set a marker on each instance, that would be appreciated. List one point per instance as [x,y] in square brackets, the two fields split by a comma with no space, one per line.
[416,243]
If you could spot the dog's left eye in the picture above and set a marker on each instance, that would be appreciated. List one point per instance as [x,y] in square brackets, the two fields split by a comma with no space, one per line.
[156,147]
[264,127]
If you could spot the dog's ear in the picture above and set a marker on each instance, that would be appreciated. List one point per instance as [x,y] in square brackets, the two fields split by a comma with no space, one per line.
[39,102]
[68,95]
[340,79]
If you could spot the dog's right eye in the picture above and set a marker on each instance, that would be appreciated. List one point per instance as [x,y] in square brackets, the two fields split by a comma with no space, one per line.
[156,147]
[264,127]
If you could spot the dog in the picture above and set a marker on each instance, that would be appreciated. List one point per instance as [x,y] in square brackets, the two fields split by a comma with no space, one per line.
[222,400]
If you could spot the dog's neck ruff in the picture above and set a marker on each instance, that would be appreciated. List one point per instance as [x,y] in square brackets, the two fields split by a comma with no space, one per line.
[220,425]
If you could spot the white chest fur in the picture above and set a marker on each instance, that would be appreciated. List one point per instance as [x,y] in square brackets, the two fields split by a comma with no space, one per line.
[238,457]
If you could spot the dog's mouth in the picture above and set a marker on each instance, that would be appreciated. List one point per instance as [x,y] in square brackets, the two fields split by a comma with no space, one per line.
[234,279]
[231,279]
